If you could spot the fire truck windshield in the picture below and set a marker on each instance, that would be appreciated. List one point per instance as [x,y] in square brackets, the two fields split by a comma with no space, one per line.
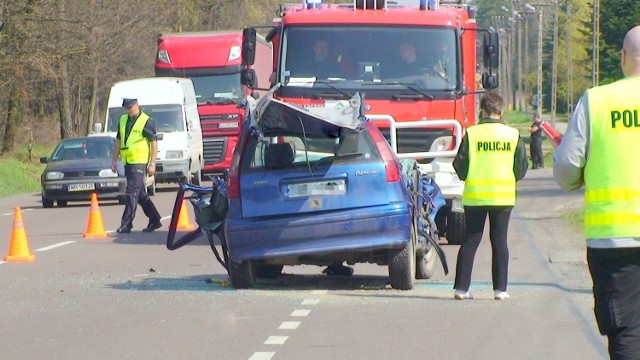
[217,89]
[359,57]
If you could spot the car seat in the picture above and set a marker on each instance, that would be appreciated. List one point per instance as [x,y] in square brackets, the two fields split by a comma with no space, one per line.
[277,156]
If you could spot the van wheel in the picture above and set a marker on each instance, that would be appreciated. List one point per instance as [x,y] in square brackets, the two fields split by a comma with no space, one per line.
[402,266]
[243,275]
[196,178]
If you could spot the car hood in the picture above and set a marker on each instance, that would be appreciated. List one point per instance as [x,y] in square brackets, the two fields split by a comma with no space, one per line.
[270,114]
[80,165]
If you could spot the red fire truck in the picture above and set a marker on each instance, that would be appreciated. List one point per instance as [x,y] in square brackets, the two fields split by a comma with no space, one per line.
[212,60]
[414,61]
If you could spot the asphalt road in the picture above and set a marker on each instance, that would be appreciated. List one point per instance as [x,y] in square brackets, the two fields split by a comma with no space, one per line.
[128,297]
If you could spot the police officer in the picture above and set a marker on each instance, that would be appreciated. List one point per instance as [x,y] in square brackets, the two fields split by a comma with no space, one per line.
[137,146]
[599,150]
[491,158]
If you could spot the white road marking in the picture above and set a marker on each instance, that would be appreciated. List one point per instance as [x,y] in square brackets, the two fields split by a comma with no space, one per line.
[276,340]
[289,325]
[300,312]
[54,246]
[262,355]
[319,292]
[310,301]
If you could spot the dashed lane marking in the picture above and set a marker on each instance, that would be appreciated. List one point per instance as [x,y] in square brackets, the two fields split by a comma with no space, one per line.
[289,325]
[310,301]
[262,356]
[276,340]
[301,312]
[54,246]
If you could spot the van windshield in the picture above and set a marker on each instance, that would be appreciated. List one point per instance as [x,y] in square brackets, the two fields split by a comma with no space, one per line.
[168,118]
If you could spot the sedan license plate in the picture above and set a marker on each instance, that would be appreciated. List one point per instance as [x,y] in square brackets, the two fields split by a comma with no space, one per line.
[82,187]
[327,187]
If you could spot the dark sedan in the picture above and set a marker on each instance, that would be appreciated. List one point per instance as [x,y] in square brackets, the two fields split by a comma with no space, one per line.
[78,167]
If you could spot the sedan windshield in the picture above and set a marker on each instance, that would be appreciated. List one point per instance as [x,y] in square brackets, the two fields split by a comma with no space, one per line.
[359,56]
[86,148]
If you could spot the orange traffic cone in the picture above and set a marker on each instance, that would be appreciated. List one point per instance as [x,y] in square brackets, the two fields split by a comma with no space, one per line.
[95,226]
[183,218]
[19,246]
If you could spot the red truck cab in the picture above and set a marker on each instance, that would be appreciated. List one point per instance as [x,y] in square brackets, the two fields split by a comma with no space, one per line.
[212,60]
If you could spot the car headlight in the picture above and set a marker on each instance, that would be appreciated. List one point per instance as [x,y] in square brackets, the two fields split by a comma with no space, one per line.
[174,154]
[107,173]
[54,175]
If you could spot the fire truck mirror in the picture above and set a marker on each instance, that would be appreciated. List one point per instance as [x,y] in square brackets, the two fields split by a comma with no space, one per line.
[248,78]
[490,54]
[271,34]
[248,46]
[489,81]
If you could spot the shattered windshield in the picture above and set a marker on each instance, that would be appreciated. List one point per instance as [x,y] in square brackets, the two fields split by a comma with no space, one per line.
[366,56]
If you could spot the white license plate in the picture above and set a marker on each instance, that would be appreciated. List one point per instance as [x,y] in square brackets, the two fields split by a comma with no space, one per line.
[328,187]
[81,187]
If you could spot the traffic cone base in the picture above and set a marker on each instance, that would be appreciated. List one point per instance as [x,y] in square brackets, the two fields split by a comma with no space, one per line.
[95,226]
[19,245]
[183,218]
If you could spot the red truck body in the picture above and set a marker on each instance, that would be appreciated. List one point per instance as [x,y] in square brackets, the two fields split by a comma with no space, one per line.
[212,60]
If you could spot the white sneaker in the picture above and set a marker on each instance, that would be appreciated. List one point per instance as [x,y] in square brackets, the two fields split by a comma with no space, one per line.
[500,295]
[462,295]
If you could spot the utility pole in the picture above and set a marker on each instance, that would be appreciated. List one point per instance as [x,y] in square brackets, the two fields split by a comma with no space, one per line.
[539,94]
[554,66]
[569,38]
[595,76]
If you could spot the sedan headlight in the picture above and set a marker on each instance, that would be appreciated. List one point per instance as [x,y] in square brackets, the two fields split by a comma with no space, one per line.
[174,154]
[54,175]
[107,173]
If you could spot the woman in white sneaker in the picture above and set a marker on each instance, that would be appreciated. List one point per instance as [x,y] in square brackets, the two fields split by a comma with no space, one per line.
[491,158]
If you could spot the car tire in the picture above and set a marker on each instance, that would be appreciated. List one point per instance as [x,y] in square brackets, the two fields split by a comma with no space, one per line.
[426,264]
[151,189]
[61,203]
[268,271]
[402,267]
[243,275]
[47,203]
[455,228]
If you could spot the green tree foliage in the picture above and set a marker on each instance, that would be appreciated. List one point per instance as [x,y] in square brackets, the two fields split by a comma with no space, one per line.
[616,18]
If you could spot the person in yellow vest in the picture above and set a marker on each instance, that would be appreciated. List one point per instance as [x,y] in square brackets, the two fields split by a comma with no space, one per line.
[491,158]
[137,146]
[599,151]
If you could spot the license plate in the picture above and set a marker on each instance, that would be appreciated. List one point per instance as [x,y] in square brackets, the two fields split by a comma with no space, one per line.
[328,187]
[81,187]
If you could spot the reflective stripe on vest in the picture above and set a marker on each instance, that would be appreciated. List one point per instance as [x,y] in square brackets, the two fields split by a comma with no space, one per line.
[136,148]
[612,174]
[491,180]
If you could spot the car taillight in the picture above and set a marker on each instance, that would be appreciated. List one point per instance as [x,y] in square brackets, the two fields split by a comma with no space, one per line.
[233,188]
[392,169]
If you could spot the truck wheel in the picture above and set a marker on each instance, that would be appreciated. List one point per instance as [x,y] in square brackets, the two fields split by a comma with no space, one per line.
[268,271]
[402,266]
[243,275]
[426,264]
[46,203]
[455,228]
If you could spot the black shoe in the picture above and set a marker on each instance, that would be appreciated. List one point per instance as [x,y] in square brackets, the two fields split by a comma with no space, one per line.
[123,230]
[338,270]
[152,226]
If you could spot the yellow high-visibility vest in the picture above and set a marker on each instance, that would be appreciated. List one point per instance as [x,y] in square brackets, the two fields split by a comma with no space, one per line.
[612,174]
[490,180]
[136,148]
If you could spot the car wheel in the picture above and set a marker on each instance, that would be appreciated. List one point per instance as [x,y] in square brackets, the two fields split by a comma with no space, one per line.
[455,228]
[242,274]
[122,200]
[47,203]
[426,264]
[151,189]
[268,271]
[402,266]
[62,203]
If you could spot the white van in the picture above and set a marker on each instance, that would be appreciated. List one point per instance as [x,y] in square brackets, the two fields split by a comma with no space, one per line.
[171,103]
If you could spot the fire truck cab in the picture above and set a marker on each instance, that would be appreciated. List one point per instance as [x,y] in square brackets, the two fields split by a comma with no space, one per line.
[414,62]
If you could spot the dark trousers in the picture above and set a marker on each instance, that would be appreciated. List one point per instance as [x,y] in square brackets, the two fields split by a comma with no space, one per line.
[616,290]
[475,218]
[137,194]
[537,157]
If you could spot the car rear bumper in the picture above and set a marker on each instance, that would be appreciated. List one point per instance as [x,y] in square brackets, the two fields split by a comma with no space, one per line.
[382,227]
[105,189]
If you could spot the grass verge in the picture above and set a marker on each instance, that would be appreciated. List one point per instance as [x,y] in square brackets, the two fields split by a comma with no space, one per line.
[20,170]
